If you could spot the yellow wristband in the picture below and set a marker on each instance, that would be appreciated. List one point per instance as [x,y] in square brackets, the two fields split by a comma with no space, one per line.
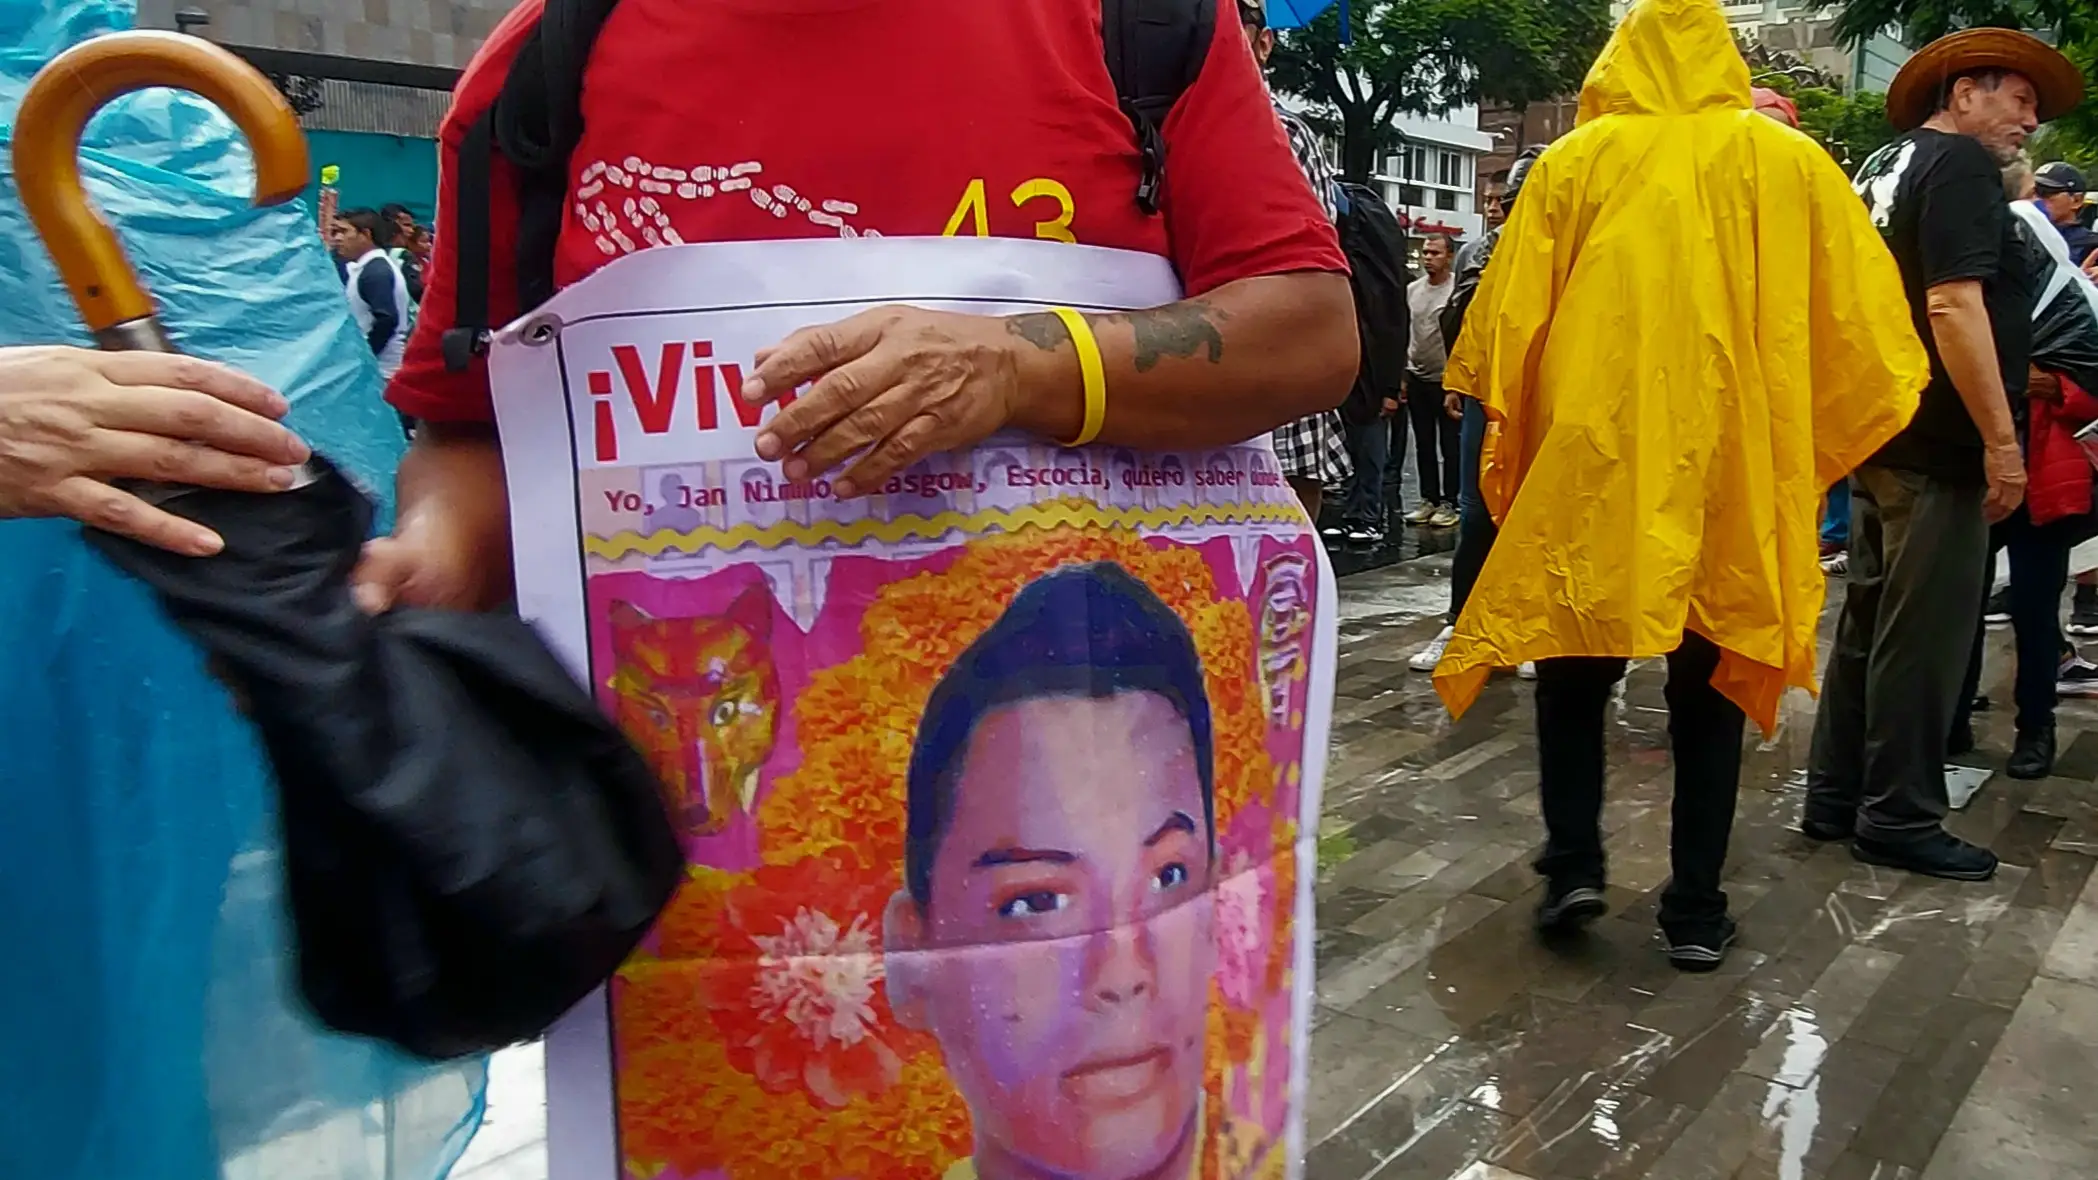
[1090,370]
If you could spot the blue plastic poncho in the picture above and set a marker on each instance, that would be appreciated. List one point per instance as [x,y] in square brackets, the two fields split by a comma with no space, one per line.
[149,1028]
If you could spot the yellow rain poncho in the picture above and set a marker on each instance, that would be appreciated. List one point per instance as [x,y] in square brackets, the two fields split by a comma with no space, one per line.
[1689,329]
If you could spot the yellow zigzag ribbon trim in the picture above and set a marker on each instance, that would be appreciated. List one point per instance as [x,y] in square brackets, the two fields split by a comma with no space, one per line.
[1078,513]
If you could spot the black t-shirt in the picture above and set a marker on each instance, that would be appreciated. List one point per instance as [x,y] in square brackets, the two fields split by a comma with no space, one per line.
[1938,199]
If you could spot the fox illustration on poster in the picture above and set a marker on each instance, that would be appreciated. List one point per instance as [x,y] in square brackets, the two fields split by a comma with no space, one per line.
[999,785]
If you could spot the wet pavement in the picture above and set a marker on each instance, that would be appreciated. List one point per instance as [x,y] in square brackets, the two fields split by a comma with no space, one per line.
[1869,1025]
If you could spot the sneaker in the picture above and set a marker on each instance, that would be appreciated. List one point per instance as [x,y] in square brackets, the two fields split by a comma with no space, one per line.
[1333,532]
[1998,612]
[1568,910]
[1445,517]
[1837,564]
[1364,534]
[1426,658]
[1940,854]
[1423,513]
[1704,950]
[2033,755]
[2077,677]
[1527,670]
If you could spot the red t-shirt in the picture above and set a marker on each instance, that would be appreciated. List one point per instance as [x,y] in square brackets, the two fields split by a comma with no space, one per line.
[726,120]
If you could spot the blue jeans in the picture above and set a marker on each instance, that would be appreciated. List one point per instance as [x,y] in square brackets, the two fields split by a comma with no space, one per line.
[1370,446]
[1475,528]
[1835,516]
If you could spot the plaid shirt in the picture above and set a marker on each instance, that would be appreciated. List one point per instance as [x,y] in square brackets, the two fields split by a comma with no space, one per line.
[1304,144]
[1314,447]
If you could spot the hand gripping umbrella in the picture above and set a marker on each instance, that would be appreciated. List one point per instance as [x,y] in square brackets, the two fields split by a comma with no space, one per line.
[470,847]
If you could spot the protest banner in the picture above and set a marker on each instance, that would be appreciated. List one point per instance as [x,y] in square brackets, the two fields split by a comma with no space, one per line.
[999,785]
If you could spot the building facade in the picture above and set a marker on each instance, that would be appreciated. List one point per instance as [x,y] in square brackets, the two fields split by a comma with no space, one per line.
[1432,180]
[421,32]
[371,78]
[1509,130]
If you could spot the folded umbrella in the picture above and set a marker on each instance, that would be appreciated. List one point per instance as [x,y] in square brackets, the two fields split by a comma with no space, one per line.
[470,846]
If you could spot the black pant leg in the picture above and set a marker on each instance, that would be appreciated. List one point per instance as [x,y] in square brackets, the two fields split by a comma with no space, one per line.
[1424,407]
[1704,730]
[1963,709]
[1935,539]
[2039,571]
[1572,697]
[1836,763]
[1452,450]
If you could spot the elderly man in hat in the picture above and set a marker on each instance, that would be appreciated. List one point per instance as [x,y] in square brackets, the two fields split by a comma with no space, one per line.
[1922,506]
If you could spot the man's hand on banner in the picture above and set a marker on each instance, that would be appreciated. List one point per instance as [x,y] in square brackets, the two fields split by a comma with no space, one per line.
[897,383]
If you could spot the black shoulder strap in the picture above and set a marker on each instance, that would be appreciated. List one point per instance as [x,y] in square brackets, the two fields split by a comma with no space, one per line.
[1155,50]
[535,124]
[467,239]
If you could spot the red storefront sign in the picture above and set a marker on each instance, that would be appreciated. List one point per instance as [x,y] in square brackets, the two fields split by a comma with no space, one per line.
[1423,225]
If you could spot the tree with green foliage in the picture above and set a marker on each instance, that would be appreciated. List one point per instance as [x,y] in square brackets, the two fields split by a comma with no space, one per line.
[2073,25]
[1423,56]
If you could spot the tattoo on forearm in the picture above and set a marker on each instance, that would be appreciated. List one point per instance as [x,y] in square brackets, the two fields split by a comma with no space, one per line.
[1178,329]
[1040,329]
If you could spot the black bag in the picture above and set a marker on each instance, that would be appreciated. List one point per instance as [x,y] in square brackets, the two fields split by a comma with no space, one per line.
[2065,337]
[1154,50]
[1376,250]
[2064,328]
[2065,333]
[470,846]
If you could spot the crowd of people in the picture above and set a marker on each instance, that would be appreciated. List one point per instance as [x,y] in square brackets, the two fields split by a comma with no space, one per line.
[1962,246]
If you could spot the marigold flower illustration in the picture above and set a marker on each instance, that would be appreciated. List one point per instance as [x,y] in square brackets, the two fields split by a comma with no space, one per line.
[690,926]
[1282,945]
[686,1107]
[799,999]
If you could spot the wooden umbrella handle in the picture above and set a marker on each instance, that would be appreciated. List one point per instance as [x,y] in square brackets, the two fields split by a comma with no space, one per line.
[55,110]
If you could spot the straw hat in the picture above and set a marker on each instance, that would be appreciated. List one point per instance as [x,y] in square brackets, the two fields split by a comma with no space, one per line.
[1913,97]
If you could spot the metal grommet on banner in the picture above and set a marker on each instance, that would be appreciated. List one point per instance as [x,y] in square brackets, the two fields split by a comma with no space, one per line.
[542,329]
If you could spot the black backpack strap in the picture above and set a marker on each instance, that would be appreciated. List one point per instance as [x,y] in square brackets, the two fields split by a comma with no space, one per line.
[535,124]
[467,239]
[1155,50]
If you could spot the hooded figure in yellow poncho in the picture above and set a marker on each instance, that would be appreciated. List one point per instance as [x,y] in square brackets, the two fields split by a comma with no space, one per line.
[1689,331]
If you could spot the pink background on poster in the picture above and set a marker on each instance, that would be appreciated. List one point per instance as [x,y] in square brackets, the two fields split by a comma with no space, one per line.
[853,582]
